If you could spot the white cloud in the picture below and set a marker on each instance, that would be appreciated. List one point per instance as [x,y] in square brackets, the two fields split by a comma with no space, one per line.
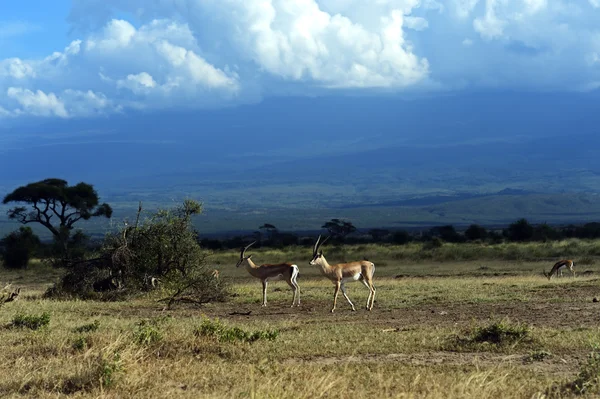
[139,83]
[298,41]
[463,8]
[4,113]
[198,53]
[416,23]
[38,103]
[489,26]
[534,6]
[87,76]
[16,68]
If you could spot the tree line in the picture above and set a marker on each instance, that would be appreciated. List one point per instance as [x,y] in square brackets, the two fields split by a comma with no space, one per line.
[58,206]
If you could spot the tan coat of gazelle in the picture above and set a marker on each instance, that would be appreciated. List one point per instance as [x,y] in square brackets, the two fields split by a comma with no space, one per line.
[343,272]
[558,266]
[271,272]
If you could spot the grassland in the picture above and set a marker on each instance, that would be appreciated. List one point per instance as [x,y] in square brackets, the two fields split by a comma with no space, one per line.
[422,339]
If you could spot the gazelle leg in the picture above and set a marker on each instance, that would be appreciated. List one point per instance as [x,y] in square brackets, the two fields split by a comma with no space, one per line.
[296,291]
[343,286]
[372,296]
[337,290]
[264,284]
[294,277]
[370,292]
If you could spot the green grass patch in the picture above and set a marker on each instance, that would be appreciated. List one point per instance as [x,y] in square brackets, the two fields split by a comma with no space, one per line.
[33,322]
[90,327]
[223,333]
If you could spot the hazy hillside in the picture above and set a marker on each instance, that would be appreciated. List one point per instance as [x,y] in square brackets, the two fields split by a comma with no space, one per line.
[378,160]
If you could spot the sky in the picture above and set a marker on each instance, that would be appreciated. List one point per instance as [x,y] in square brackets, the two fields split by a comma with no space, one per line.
[69,60]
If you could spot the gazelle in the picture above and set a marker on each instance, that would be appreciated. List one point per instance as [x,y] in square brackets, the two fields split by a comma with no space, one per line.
[559,266]
[342,272]
[269,272]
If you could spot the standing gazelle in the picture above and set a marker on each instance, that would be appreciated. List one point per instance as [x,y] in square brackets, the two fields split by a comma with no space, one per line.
[558,266]
[266,272]
[342,272]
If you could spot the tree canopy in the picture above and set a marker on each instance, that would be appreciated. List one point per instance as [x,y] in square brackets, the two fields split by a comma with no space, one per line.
[339,228]
[56,205]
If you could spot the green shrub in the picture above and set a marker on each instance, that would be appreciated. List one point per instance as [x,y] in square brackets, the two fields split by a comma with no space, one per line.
[17,248]
[81,343]
[88,327]
[222,333]
[31,321]
[110,370]
[147,332]
[162,247]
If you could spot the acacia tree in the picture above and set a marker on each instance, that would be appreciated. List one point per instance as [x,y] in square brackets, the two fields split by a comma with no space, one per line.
[339,228]
[272,231]
[56,206]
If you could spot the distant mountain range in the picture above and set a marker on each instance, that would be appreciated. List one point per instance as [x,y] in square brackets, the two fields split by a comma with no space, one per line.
[383,160]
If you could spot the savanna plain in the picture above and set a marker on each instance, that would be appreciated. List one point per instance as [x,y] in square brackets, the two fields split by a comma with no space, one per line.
[463,320]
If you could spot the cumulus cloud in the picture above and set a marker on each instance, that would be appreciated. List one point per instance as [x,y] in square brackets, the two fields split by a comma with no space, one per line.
[159,59]
[489,26]
[38,103]
[197,53]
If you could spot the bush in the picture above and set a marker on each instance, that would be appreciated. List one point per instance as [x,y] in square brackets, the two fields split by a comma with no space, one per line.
[147,332]
[433,243]
[476,232]
[17,248]
[500,334]
[222,333]
[401,237]
[520,231]
[31,321]
[162,248]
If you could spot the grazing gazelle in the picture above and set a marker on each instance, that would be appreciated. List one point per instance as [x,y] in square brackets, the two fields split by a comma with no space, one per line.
[558,266]
[267,272]
[342,272]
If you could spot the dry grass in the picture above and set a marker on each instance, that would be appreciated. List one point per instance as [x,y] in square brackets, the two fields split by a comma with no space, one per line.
[400,350]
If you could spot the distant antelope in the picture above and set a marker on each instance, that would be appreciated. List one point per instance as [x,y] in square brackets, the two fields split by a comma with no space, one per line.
[558,268]
[13,296]
[270,272]
[342,272]
[215,274]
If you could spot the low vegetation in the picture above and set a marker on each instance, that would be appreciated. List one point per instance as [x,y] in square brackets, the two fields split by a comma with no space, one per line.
[33,322]
[458,336]
[458,313]
[216,329]
[498,335]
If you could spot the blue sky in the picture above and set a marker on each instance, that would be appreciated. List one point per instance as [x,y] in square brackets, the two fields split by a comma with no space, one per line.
[88,58]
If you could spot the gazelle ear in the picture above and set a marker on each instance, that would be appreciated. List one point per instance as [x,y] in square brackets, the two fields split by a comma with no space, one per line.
[320,253]
[249,256]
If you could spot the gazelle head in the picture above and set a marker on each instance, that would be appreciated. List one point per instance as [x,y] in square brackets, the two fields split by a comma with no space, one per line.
[243,256]
[318,255]
[548,275]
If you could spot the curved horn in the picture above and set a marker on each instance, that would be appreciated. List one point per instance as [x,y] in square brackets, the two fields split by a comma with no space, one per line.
[245,248]
[319,243]
[316,247]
